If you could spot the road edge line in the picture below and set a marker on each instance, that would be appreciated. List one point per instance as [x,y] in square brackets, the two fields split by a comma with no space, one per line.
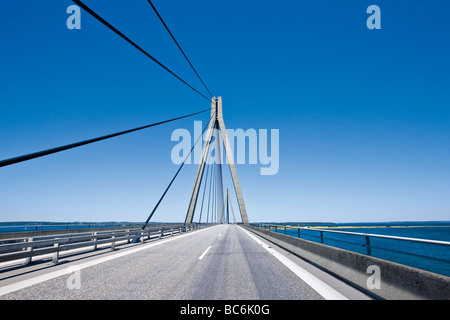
[315,283]
[70,268]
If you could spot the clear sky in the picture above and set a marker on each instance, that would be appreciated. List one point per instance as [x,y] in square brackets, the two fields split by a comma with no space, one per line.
[363,115]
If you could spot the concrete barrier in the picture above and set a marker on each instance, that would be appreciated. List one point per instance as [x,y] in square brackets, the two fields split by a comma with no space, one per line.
[380,278]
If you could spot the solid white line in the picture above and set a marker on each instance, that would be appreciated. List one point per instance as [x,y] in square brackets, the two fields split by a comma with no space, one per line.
[29,282]
[204,253]
[318,285]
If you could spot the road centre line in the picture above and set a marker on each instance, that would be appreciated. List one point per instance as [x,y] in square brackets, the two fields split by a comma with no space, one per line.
[204,253]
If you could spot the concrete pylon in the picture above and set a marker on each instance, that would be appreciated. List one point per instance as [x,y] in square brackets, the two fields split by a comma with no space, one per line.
[216,118]
[201,166]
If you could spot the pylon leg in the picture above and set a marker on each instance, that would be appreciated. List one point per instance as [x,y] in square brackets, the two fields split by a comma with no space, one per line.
[229,153]
[201,166]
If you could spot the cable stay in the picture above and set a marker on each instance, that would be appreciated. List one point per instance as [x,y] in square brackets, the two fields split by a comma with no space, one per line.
[173,179]
[211,180]
[211,200]
[217,206]
[179,47]
[204,192]
[214,178]
[34,155]
[219,183]
[107,24]
[208,170]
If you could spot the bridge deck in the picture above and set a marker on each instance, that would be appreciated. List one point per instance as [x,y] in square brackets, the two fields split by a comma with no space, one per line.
[224,262]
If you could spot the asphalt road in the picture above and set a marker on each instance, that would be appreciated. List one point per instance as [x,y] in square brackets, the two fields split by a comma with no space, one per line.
[223,262]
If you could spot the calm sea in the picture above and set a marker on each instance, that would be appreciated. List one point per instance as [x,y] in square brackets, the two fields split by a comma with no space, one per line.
[431,257]
[36,226]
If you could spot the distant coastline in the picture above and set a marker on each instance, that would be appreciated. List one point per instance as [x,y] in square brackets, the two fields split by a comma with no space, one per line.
[382,226]
[389,224]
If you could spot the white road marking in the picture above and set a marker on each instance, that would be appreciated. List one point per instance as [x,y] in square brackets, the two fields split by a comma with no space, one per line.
[318,285]
[32,281]
[204,253]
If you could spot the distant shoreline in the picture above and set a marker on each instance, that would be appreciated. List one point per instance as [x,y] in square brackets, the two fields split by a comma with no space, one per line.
[373,224]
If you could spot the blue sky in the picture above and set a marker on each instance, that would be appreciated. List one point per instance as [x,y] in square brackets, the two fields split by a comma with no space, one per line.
[363,115]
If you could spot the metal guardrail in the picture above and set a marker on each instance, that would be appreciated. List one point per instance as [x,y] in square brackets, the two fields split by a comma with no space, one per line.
[378,277]
[27,248]
[366,236]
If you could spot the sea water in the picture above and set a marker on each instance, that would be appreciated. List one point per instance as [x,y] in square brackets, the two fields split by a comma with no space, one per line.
[430,257]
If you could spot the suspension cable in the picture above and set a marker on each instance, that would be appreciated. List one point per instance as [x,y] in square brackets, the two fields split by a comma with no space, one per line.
[107,24]
[204,192]
[179,47]
[30,156]
[173,179]
[209,193]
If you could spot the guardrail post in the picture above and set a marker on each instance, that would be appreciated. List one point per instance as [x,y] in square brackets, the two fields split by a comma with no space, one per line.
[56,254]
[160,233]
[171,231]
[284,230]
[321,236]
[30,249]
[95,241]
[113,243]
[128,235]
[298,231]
[369,249]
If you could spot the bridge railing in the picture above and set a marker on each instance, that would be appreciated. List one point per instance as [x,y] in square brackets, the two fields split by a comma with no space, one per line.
[29,247]
[368,243]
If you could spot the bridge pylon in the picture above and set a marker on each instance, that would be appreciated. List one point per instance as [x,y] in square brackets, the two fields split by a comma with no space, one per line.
[225,216]
[217,123]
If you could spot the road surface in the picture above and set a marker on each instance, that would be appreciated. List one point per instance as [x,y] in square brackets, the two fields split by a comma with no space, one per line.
[223,262]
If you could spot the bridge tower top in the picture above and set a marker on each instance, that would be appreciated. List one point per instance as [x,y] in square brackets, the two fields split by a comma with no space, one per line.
[216,123]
